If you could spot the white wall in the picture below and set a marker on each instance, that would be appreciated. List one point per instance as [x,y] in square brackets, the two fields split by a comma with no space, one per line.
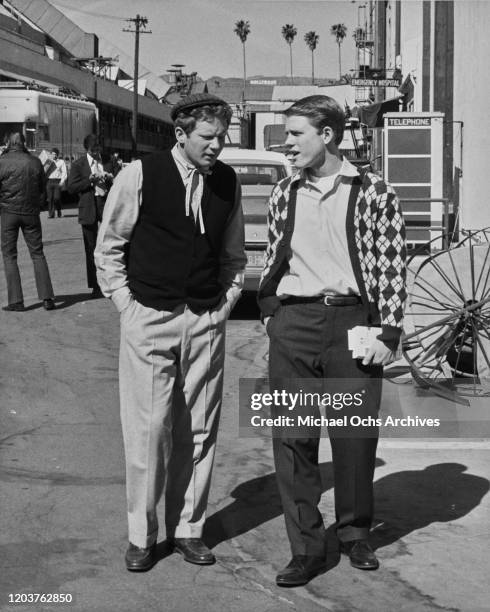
[471,102]
[411,46]
[471,94]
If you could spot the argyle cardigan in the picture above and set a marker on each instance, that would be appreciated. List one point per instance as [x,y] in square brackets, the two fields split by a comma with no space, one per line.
[376,241]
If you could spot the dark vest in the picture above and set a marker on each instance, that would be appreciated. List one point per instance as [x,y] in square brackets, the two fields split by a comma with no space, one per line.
[169,261]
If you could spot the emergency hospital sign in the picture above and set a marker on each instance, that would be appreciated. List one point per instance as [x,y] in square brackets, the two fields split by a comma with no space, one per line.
[376,82]
[413,157]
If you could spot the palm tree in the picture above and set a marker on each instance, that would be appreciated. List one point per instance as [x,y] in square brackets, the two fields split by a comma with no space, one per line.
[339,30]
[311,39]
[289,32]
[242,30]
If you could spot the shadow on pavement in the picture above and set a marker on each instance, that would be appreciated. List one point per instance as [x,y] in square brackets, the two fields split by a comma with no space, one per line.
[412,500]
[405,502]
[64,301]
[164,549]
[67,300]
[256,502]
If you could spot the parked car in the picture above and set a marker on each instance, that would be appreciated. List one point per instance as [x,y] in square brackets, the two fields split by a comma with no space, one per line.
[258,172]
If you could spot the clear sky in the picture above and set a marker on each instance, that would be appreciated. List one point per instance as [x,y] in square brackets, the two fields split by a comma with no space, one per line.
[199,33]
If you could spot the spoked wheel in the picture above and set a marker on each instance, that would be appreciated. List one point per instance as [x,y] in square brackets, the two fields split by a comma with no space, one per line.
[449,306]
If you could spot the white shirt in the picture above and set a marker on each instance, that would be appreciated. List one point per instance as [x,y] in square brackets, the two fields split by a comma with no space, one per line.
[194,186]
[59,172]
[319,262]
[96,168]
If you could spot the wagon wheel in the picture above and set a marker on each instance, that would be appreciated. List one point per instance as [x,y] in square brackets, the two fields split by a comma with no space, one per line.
[448,349]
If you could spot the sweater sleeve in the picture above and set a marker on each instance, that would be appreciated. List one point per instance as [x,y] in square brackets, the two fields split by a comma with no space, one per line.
[391,252]
[266,297]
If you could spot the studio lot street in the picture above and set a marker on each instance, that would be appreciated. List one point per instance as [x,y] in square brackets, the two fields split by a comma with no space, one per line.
[63,520]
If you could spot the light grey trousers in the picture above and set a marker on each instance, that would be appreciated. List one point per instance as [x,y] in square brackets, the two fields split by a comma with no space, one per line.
[170,382]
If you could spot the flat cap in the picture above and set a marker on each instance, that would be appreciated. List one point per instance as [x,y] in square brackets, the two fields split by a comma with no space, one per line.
[194,101]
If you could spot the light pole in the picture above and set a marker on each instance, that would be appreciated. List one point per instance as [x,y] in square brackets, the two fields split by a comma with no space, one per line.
[139,23]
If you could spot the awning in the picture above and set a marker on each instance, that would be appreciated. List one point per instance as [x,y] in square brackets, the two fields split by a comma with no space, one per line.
[32,78]
[372,114]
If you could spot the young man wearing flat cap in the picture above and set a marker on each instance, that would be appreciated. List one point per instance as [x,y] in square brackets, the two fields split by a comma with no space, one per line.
[335,261]
[170,254]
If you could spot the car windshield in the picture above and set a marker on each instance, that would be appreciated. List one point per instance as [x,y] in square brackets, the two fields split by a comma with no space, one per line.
[258,174]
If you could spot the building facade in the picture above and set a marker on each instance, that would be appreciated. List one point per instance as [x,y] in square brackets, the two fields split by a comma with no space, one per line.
[443,49]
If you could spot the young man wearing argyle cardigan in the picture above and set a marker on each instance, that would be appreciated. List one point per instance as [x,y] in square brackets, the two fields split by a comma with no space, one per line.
[335,260]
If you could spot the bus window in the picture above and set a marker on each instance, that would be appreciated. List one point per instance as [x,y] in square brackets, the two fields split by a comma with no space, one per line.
[43,131]
[30,135]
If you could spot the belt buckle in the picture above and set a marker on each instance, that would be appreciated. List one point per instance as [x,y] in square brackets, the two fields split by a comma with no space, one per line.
[326,300]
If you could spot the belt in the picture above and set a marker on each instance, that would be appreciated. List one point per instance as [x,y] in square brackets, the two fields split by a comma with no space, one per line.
[328,300]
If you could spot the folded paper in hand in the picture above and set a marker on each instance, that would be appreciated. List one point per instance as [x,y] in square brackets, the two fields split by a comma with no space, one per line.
[360,338]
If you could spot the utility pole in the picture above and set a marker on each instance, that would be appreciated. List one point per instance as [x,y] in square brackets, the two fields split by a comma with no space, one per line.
[139,23]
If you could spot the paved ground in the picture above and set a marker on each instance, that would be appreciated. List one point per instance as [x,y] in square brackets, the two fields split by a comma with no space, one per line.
[62,498]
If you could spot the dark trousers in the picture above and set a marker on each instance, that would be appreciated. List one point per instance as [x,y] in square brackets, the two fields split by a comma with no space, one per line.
[53,193]
[309,341]
[31,229]
[90,232]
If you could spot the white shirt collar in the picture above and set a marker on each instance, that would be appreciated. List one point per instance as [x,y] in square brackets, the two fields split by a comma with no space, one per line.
[187,171]
[91,160]
[185,163]
[346,169]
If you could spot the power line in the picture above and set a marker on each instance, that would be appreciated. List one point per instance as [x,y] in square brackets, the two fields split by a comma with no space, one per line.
[140,24]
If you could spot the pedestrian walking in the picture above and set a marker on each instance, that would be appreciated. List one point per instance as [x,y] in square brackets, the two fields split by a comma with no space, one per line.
[335,261]
[57,176]
[170,254]
[22,195]
[91,183]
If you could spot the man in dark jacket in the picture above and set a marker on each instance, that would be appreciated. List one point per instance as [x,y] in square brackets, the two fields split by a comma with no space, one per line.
[22,193]
[91,182]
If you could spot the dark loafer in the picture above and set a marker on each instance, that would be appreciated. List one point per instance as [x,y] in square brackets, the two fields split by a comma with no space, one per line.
[140,559]
[15,307]
[49,304]
[361,555]
[300,570]
[193,550]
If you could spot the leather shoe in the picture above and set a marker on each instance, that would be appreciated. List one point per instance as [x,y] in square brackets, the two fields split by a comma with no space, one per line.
[49,304]
[15,307]
[300,570]
[193,550]
[361,555]
[140,559]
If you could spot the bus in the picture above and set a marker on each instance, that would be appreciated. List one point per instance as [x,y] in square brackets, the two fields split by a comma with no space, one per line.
[46,119]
